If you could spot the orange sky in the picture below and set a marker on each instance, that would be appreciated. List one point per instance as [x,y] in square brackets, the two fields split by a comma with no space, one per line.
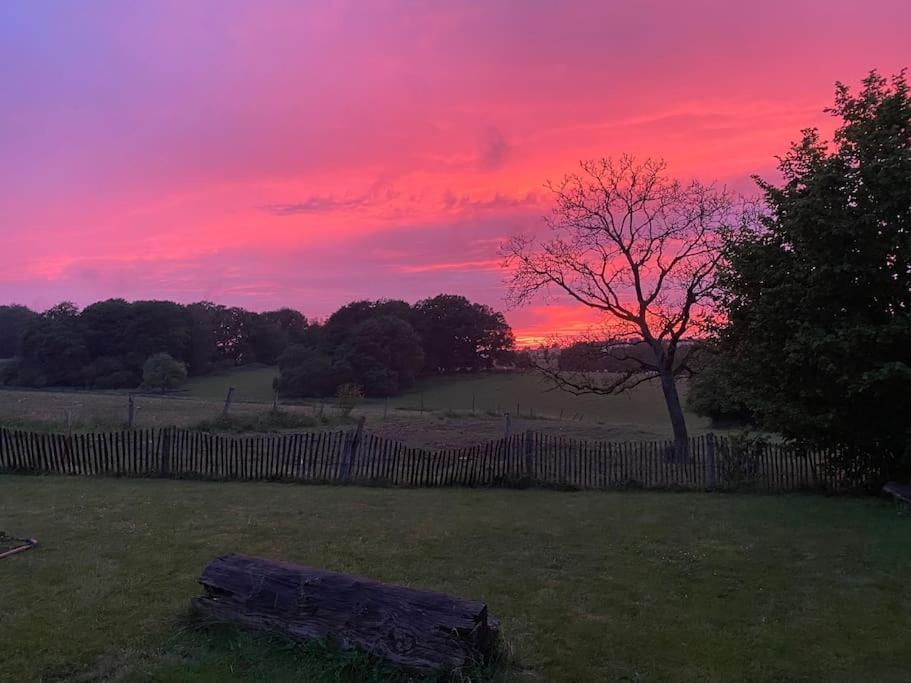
[307,154]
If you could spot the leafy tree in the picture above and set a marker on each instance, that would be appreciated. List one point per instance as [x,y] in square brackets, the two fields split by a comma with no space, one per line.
[384,354]
[817,344]
[267,340]
[107,327]
[342,323]
[234,328]
[641,250]
[15,321]
[53,350]
[159,327]
[162,372]
[291,322]
[460,335]
[201,352]
[305,371]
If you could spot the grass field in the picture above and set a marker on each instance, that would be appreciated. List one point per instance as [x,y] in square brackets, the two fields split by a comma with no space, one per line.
[518,393]
[251,384]
[446,421]
[590,587]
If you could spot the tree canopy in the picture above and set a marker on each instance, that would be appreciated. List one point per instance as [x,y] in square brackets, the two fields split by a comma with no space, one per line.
[817,295]
[383,345]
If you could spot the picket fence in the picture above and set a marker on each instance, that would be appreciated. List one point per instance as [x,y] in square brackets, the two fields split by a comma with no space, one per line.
[342,457]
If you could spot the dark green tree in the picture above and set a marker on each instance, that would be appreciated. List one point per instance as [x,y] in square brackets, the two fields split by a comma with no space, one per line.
[817,296]
[384,354]
[15,321]
[53,350]
[460,335]
[342,323]
[293,323]
[306,371]
[162,372]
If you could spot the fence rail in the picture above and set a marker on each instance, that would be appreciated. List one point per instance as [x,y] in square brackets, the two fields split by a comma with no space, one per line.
[340,457]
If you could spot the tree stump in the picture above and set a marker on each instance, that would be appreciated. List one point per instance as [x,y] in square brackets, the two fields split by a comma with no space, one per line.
[414,629]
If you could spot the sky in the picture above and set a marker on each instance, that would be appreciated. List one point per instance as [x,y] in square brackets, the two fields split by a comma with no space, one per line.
[306,154]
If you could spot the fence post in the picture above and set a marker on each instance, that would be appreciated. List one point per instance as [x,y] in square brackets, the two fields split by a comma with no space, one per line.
[165,451]
[710,459]
[529,456]
[349,451]
[132,412]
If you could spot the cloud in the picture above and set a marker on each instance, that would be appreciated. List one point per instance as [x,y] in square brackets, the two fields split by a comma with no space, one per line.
[316,204]
[493,149]
[485,264]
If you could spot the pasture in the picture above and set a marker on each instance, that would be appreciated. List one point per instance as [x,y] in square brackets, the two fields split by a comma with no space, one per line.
[447,419]
[590,586]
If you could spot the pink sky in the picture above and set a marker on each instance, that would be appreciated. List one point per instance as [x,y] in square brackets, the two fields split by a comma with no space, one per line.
[307,154]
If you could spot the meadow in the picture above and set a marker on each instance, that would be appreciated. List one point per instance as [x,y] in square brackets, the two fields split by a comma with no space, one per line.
[590,586]
[439,412]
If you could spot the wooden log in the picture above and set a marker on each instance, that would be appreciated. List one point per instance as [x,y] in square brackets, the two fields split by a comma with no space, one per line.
[414,629]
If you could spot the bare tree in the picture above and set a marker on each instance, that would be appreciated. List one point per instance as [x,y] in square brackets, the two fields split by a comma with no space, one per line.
[640,248]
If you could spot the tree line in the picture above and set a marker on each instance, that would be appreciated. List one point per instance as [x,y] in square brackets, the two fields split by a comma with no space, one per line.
[380,345]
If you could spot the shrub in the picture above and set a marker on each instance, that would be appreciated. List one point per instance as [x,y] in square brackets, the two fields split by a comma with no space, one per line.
[347,398]
[162,372]
[739,457]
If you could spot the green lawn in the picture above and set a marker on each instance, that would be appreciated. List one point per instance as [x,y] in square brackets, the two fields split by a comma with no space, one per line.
[590,586]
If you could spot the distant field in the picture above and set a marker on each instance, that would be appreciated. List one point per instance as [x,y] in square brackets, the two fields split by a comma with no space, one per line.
[251,384]
[447,419]
[517,393]
[528,394]
[590,586]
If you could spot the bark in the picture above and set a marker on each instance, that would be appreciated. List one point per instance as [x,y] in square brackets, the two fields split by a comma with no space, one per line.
[418,630]
[675,411]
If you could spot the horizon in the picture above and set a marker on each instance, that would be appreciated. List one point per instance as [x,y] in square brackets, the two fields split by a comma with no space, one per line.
[311,156]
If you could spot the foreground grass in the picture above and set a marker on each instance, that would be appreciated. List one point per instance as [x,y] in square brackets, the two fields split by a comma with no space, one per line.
[590,586]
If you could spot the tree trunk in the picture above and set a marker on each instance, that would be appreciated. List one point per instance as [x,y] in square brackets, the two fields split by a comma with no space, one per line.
[675,411]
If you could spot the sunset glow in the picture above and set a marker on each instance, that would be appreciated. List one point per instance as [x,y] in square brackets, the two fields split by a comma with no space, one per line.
[308,154]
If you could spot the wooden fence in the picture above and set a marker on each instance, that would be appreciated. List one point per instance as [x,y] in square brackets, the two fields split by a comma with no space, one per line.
[341,457]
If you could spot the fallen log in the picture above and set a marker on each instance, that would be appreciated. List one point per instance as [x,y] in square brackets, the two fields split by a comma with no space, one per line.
[414,629]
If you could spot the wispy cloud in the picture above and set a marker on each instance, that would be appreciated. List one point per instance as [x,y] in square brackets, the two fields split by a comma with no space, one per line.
[485,264]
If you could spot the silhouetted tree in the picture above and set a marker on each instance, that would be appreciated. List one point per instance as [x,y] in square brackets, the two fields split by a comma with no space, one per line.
[384,354]
[291,322]
[15,321]
[642,250]
[460,335]
[307,371]
[817,296]
[342,323]
[53,349]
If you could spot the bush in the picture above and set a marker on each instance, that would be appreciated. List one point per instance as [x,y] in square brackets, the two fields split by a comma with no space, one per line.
[740,456]
[309,372]
[347,398]
[162,372]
